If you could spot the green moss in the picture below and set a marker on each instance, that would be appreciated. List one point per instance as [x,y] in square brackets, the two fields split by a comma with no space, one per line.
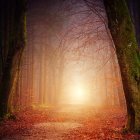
[16,34]
[128,40]
[122,31]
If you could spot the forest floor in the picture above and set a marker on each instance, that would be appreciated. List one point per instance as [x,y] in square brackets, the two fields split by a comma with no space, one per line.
[67,123]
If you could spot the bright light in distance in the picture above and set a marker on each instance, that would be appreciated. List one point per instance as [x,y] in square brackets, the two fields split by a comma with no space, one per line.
[77,95]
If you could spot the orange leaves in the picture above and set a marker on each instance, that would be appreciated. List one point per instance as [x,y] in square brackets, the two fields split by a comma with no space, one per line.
[85,124]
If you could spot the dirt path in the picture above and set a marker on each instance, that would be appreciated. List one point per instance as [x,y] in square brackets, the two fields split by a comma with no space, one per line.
[69,123]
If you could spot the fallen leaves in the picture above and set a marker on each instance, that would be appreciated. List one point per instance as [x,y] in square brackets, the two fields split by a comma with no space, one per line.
[101,124]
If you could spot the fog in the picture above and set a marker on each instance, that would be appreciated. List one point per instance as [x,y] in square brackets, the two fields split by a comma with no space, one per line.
[70,56]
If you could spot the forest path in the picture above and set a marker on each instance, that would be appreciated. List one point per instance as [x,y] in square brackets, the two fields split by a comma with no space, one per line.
[67,123]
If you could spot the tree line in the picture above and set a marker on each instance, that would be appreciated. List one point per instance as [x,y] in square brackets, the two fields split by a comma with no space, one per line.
[123,25]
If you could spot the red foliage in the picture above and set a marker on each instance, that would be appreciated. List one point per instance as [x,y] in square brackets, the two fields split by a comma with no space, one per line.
[103,124]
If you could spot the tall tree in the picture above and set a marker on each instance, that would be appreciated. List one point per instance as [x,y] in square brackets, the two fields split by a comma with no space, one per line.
[12,42]
[134,8]
[121,27]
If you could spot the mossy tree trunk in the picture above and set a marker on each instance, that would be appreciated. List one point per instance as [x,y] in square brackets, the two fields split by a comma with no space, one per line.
[120,25]
[12,42]
[134,8]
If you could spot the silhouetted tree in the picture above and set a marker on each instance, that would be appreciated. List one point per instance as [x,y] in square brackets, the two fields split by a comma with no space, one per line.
[122,31]
[134,8]
[12,42]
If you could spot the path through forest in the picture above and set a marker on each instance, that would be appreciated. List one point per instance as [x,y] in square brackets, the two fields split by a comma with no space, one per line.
[66,123]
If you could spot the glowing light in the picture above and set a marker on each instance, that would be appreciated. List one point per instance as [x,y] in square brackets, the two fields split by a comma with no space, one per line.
[78,95]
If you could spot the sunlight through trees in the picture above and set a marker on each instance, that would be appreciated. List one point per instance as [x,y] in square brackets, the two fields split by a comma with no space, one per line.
[83,53]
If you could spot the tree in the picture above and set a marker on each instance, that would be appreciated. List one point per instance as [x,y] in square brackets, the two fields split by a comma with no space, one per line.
[121,28]
[12,42]
[135,14]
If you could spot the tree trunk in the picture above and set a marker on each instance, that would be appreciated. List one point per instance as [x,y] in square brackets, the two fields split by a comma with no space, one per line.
[122,31]
[12,14]
[134,8]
